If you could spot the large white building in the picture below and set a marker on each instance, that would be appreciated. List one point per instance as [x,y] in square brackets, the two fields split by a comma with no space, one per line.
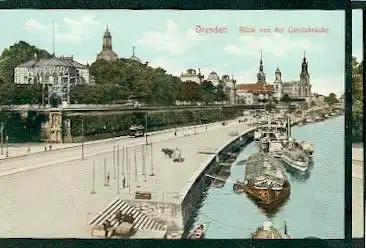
[57,73]
[230,88]
[227,82]
[192,75]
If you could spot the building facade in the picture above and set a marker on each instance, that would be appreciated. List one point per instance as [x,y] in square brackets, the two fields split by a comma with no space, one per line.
[192,75]
[254,93]
[57,73]
[213,78]
[229,87]
[294,89]
[107,52]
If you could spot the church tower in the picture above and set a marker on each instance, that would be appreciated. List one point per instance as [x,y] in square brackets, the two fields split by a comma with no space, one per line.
[305,87]
[277,84]
[261,76]
[107,53]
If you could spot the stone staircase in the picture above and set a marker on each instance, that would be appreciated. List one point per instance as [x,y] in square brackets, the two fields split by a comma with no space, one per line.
[141,220]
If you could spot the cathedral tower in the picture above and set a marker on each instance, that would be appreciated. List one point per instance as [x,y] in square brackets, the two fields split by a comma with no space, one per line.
[305,87]
[261,76]
[278,84]
[107,53]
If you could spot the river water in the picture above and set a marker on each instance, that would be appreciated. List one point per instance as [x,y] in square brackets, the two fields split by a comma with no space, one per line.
[316,204]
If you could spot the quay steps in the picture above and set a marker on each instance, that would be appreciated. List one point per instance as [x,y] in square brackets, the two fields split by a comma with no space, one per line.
[141,220]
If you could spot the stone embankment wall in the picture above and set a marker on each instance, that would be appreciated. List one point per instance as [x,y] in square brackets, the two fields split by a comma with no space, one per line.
[178,216]
[196,194]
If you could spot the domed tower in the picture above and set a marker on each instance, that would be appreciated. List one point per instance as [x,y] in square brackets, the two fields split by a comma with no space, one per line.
[107,53]
[107,40]
[278,84]
[261,76]
[213,78]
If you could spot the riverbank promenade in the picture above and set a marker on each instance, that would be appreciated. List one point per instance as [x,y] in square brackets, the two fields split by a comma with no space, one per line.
[55,193]
[358,215]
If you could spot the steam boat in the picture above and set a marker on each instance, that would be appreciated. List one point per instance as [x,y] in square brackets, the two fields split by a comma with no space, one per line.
[308,147]
[294,156]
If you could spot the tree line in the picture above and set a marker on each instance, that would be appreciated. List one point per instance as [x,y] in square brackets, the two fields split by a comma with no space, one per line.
[116,81]
[357,100]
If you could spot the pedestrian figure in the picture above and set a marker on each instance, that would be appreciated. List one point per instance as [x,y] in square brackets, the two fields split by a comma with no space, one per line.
[124,182]
[119,216]
[106,226]
[108,177]
[50,147]
[28,148]
[45,148]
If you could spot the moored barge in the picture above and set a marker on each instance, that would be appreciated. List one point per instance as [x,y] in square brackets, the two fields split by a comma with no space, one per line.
[265,181]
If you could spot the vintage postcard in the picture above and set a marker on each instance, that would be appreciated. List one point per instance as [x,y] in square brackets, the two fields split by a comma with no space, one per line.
[358,124]
[172,124]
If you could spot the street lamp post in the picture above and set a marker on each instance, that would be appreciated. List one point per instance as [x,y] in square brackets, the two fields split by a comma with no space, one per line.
[105,172]
[82,139]
[146,128]
[2,138]
[152,162]
[93,191]
[143,163]
[114,161]
[118,174]
[7,146]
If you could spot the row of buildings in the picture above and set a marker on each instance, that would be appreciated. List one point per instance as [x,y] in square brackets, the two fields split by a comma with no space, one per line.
[253,93]
[59,73]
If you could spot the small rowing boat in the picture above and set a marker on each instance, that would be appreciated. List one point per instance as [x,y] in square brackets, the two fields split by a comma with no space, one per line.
[197,233]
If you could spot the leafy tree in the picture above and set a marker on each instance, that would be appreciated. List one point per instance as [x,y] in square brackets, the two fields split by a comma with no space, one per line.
[331,99]
[189,91]
[220,94]
[15,55]
[207,92]
[286,98]
[357,100]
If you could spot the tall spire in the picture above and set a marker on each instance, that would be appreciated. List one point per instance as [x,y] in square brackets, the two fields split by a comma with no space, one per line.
[107,28]
[133,51]
[261,57]
[261,63]
[53,37]
[304,66]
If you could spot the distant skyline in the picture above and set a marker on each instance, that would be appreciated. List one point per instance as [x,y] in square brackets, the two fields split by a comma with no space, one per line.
[168,38]
[357,46]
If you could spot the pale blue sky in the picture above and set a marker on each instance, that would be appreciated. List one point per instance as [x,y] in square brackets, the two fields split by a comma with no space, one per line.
[167,38]
[357,47]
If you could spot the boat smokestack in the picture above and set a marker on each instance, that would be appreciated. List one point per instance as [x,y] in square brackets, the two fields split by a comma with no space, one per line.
[288,127]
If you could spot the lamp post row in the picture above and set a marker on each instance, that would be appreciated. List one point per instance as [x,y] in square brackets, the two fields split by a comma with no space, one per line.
[126,163]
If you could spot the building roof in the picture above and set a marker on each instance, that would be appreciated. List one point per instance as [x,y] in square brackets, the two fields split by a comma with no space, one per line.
[256,88]
[107,54]
[213,76]
[290,83]
[54,61]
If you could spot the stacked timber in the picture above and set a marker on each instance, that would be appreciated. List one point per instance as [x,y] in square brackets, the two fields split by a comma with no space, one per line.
[265,180]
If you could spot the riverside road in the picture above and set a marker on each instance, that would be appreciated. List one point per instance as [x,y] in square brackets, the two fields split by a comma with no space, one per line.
[48,194]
